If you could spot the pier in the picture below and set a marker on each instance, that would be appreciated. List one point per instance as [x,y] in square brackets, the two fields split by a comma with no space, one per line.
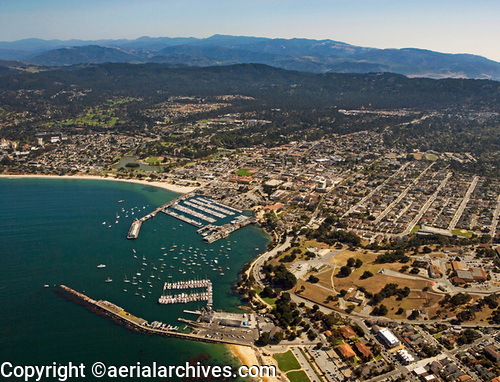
[212,206]
[191,212]
[133,232]
[214,203]
[221,232]
[183,218]
[184,298]
[202,331]
[205,209]
[179,211]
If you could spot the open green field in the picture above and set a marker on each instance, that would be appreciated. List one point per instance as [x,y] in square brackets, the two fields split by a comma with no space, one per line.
[287,361]
[415,229]
[94,117]
[269,300]
[243,172]
[298,376]
[152,160]
[122,101]
[462,232]
[431,157]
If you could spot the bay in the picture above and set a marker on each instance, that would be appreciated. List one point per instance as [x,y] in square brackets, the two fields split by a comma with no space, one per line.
[57,231]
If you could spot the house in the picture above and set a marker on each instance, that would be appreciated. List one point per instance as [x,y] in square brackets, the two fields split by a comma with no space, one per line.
[347,332]
[492,353]
[345,351]
[363,351]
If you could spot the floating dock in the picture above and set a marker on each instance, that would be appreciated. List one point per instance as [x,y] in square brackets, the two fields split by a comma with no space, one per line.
[184,298]
[191,212]
[202,203]
[183,218]
[205,209]
[214,203]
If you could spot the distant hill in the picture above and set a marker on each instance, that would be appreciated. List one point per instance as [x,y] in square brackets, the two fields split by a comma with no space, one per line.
[91,54]
[316,56]
[272,86]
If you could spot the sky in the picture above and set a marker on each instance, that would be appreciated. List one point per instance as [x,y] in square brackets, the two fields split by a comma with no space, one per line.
[449,26]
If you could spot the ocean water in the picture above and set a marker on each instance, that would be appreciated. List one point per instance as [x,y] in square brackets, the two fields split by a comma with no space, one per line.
[56,231]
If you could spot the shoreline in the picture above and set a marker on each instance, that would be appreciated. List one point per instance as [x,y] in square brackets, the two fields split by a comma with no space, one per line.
[248,356]
[166,186]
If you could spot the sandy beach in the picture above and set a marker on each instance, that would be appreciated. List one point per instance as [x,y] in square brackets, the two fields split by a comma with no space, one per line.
[159,184]
[248,357]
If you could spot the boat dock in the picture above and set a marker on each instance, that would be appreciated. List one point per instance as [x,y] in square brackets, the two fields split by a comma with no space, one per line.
[190,284]
[184,298]
[133,232]
[205,209]
[191,216]
[212,206]
[191,212]
[220,232]
[201,332]
[183,218]
[214,203]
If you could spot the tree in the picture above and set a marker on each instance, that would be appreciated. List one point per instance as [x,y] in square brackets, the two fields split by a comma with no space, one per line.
[313,279]
[264,339]
[351,261]
[345,271]
[414,314]
[366,274]
[359,263]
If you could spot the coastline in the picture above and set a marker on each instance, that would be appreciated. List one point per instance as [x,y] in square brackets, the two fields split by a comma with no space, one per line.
[249,356]
[159,184]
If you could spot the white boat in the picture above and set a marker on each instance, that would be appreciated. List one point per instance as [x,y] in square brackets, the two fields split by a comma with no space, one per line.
[101,266]
[108,280]
[46,286]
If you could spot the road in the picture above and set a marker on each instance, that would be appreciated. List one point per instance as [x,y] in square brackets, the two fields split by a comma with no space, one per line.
[494,222]
[257,264]
[401,196]
[426,206]
[462,206]
[377,189]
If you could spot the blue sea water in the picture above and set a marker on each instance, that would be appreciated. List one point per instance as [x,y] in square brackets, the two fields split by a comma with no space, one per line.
[56,231]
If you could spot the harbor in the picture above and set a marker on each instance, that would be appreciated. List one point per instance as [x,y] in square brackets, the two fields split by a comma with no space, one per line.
[193,209]
[209,326]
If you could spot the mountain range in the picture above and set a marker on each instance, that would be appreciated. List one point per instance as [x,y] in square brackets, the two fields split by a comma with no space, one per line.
[316,56]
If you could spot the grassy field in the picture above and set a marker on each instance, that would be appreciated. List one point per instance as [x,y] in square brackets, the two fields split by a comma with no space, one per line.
[94,117]
[462,232]
[243,172]
[152,160]
[270,301]
[297,376]
[415,229]
[287,361]
[431,157]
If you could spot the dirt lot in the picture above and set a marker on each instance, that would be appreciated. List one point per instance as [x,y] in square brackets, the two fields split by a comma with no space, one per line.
[315,293]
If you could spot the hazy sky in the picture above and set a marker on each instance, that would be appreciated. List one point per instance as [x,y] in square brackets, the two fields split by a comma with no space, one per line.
[454,26]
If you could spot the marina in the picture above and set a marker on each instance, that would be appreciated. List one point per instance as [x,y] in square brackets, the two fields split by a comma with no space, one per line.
[184,298]
[192,216]
[204,209]
[183,218]
[191,212]
[212,206]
